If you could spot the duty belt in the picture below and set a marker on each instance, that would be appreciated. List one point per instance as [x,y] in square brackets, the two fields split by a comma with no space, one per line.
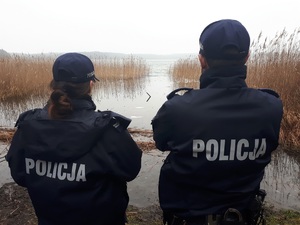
[254,215]
[231,217]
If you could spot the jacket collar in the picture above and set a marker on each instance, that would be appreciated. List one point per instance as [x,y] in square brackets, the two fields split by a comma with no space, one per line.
[85,103]
[230,77]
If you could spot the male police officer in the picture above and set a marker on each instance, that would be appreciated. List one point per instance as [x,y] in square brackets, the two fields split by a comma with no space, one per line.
[220,137]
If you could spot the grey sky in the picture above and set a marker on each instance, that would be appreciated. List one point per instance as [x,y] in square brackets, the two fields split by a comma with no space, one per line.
[132,26]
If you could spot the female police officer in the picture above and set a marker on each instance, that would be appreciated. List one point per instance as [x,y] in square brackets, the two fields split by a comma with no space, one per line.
[220,137]
[74,161]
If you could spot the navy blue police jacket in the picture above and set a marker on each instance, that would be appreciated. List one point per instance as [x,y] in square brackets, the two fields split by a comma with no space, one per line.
[220,139]
[75,170]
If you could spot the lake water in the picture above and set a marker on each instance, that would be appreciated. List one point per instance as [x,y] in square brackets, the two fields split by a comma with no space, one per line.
[282,177]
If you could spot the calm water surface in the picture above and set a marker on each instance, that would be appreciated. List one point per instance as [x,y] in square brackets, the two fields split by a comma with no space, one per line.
[282,177]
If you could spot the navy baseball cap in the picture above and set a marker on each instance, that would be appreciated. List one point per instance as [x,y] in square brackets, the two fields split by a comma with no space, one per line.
[73,67]
[220,35]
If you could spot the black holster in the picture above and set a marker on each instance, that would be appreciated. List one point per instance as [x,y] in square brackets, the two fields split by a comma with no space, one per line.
[232,217]
[170,219]
[255,213]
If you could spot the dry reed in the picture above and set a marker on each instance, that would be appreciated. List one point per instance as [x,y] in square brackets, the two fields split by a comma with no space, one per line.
[24,76]
[126,74]
[273,64]
[185,73]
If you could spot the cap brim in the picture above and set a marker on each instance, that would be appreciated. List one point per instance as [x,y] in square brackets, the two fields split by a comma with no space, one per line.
[95,79]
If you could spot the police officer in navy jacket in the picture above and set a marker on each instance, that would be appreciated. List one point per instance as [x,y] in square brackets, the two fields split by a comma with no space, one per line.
[74,161]
[220,137]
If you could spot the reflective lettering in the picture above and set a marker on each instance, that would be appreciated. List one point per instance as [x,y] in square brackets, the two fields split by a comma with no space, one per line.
[29,164]
[81,173]
[60,174]
[56,170]
[240,153]
[212,147]
[49,174]
[240,149]
[71,176]
[263,148]
[223,157]
[198,146]
[232,149]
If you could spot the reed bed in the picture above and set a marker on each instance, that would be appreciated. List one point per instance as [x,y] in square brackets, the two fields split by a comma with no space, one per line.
[274,63]
[25,76]
[126,75]
[185,72]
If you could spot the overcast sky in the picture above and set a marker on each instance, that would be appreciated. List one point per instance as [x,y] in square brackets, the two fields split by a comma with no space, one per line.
[132,26]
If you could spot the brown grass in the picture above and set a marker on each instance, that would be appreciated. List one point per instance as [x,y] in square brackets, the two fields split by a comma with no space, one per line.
[23,76]
[127,68]
[185,73]
[6,134]
[117,74]
[274,63]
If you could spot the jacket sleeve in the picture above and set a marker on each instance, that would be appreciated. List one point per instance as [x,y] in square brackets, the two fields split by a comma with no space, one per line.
[123,153]
[16,153]
[117,151]
[162,128]
[163,123]
[15,159]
